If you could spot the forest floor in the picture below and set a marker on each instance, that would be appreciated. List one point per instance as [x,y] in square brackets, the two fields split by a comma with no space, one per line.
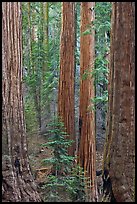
[36,154]
[40,171]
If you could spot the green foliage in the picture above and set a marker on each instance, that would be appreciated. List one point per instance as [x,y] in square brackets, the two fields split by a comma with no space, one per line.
[73,185]
[64,177]
[59,143]
[61,162]
[52,187]
[40,85]
[100,72]
[86,74]
[76,184]
[100,99]
[87,32]
[49,85]
[102,29]
[102,21]
[30,116]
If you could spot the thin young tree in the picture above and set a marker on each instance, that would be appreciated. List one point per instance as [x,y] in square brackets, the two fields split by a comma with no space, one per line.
[119,154]
[17,184]
[46,37]
[67,66]
[87,150]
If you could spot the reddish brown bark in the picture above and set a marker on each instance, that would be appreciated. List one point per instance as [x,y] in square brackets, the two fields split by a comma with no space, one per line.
[18,183]
[67,66]
[119,155]
[87,149]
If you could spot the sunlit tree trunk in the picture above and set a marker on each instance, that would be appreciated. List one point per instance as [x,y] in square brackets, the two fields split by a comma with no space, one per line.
[67,66]
[119,154]
[18,184]
[87,150]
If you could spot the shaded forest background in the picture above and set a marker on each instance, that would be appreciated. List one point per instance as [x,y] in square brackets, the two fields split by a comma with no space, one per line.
[41,72]
[41,98]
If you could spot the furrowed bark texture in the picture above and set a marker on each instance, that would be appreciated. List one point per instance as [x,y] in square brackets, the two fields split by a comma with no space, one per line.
[87,149]
[119,154]
[67,66]
[18,183]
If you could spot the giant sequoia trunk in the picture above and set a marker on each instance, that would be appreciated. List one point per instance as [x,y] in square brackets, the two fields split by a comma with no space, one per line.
[67,65]
[87,148]
[18,184]
[119,154]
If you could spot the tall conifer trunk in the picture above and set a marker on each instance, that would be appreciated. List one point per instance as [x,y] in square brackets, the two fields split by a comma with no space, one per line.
[17,184]
[119,154]
[87,150]
[67,66]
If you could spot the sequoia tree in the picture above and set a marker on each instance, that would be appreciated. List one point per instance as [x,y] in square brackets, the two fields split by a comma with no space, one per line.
[87,150]
[17,184]
[67,65]
[119,154]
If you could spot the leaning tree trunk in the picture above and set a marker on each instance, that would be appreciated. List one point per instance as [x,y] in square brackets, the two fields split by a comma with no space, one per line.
[18,184]
[87,150]
[119,154]
[67,66]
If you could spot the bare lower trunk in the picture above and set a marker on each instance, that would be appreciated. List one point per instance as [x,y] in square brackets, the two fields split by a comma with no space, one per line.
[67,66]
[18,184]
[87,150]
[119,155]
